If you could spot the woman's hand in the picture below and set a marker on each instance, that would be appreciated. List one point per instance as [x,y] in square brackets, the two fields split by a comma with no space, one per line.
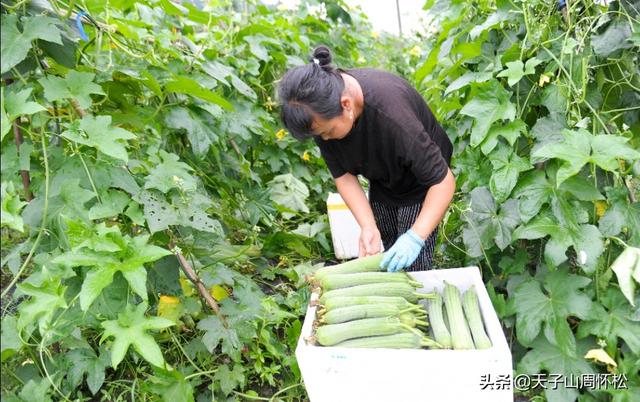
[403,253]
[370,241]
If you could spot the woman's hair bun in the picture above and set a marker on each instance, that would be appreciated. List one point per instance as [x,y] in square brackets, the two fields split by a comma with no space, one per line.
[323,55]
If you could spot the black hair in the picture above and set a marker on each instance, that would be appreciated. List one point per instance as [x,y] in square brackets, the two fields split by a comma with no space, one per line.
[311,89]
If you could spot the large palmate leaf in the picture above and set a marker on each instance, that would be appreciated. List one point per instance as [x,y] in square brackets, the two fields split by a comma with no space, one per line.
[507,166]
[130,329]
[535,189]
[85,361]
[486,225]
[547,357]
[191,87]
[491,103]
[230,379]
[16,45]
[548,308]
[18,104]
[112,203]
[161,212]
[75,85]
[42,304]
[517,69]
[466,79]
[510,132]
[129,261]
[171,385]
[98,133]
[198,125]
[585,239]
[171,173]
[11,207]
[290,192]
[614,38]
[621,215]
[611,319]
[580,147]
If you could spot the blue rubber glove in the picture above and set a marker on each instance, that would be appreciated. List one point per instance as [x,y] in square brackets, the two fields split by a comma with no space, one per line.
[403,252]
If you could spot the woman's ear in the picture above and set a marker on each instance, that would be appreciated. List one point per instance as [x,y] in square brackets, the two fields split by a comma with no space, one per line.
[346,102]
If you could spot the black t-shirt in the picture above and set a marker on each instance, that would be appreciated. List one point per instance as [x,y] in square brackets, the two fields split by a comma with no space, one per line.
[396,143]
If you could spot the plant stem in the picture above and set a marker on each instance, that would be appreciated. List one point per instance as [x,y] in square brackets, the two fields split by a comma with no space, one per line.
[44,220]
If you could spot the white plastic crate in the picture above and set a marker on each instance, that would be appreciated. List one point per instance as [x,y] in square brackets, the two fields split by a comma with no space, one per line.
[336,374]
[345,230]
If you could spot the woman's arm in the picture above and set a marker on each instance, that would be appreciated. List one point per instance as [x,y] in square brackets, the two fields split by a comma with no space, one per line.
[407,248]
[435,205]
[351,192]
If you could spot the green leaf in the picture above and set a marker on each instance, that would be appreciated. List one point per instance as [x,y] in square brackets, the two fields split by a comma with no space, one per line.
[190,212]
[34,391]
[612,320]
[171,385]
[581,188]
[547,130]
[16,45]
[485,225]
[218,71]
[45,300]
[130,260]
[580,147]
[131,329]
[229,379]
[66,198]
[492,20]
[255,44]
[113,203]
[533,190]
[516,70]
[585,239]
[198,127]
[98,133]
[466,79]
[621,215]
[216,334]
[625,265]
[507,166]
[290,192]
[11,207]
[508,219]
[544,357]
[575,151]
[17,104]
[191,87]
[171,173]
[85,361]
[614,38]
[243,88]
[607,149]
[549,309]
[5,123]
[75,85]
[10,341]
[490,104]
[98,237]
[510,132]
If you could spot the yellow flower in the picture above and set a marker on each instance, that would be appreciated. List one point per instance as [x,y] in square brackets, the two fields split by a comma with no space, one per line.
[544,79]
[281,134]
[375,34]
[601,208]
[306,156]
[415,51]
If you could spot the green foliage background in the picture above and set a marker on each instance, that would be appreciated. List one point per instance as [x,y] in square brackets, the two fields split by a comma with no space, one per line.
[158,137]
